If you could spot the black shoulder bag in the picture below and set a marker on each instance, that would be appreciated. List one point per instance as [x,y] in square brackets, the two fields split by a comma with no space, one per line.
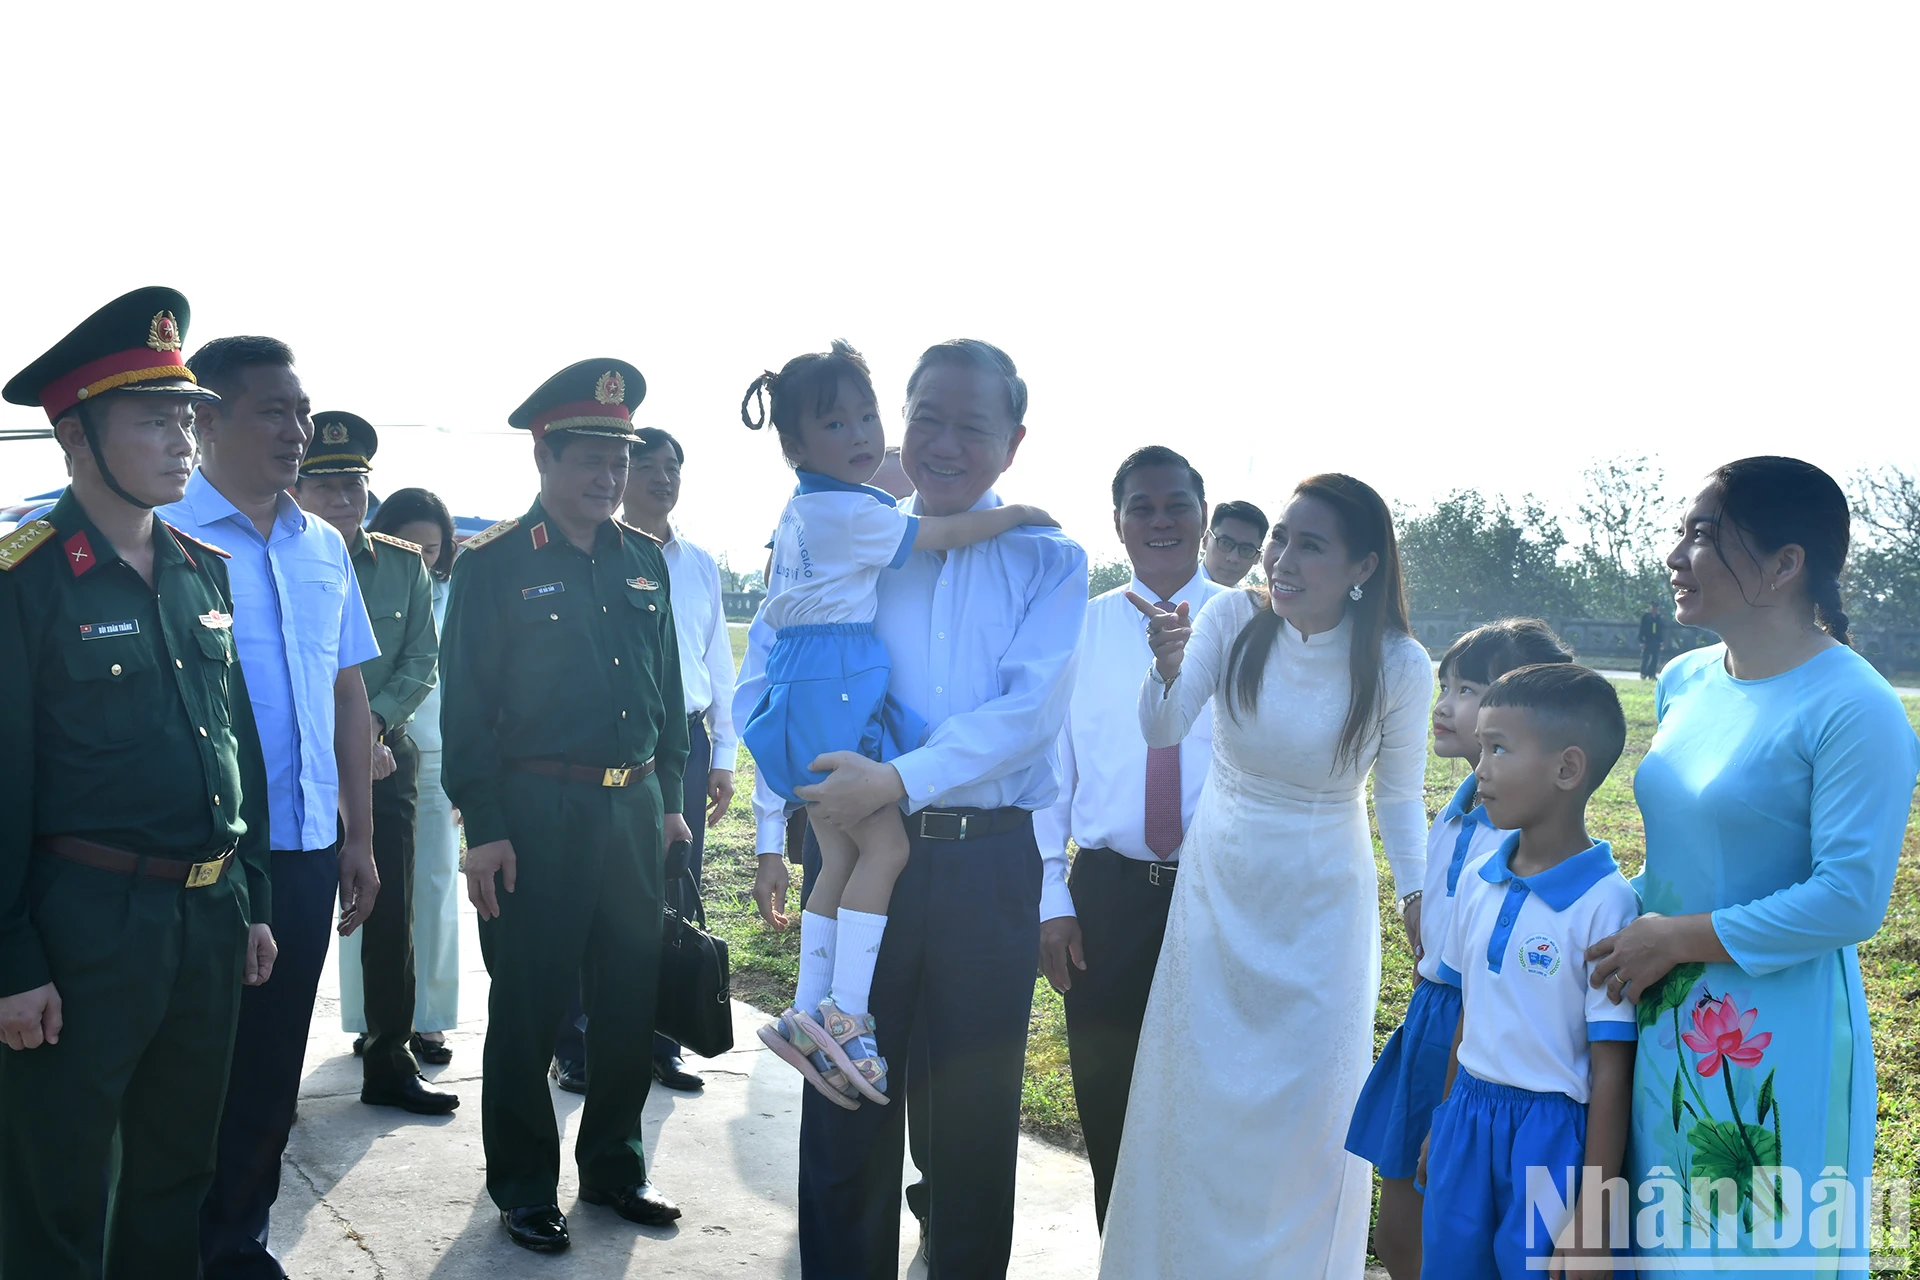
[694,1004]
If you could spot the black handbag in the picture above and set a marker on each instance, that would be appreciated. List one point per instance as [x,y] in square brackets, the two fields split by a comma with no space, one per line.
[694,1005]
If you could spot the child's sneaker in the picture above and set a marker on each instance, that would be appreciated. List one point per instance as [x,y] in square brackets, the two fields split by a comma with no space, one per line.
[792,1036]
[849,1042]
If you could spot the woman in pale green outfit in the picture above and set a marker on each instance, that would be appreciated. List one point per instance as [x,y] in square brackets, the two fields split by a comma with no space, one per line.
[1775,796]
[419,517]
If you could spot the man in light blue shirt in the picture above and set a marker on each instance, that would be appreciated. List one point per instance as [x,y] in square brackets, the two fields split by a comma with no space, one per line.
[981,642]
[301,630]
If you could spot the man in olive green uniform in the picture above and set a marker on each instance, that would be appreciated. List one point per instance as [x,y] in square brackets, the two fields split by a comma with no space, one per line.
[566,738]
[393,583]
[134,896]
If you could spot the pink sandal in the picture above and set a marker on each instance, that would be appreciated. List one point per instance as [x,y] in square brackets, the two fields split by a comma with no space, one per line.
[793,1038]
[833,1031]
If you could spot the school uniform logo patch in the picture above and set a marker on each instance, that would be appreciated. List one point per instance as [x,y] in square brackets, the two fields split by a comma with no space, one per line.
[100,630]
[643,584]
[547,589]
[1540,956]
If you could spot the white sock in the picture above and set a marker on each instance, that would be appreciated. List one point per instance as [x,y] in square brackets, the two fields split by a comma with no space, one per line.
[816,960]
[860,934]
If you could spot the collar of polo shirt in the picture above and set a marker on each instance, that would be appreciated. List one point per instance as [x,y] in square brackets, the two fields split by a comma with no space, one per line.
[1559,887]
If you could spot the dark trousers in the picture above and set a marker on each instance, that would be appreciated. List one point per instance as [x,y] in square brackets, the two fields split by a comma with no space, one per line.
[1123,917]
[971,973]
[571,1048]
[107,1138]
[386,939]
[915,1077]
[585,911]
[264,1085]
[1649,661]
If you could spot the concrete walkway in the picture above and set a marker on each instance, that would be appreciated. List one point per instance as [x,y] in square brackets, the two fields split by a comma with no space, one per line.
[372,1193]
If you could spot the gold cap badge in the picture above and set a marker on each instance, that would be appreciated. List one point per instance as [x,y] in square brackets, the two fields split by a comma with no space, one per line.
[333,433]
[611,389]
[164,333]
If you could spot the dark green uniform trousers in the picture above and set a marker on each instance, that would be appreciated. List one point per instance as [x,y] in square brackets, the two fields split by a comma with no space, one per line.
[386,940]
[585,909]
[122,1114]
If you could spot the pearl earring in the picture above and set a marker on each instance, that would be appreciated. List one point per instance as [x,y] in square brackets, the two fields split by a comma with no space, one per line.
[1356,593]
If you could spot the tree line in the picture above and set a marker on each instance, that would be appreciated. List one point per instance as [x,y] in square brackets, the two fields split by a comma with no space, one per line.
[1486,557]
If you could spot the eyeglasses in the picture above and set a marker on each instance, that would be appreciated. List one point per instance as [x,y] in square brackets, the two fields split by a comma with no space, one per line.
[1239,550]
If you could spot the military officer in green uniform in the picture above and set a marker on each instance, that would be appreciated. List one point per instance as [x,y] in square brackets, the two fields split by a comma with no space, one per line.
[566,738]
[393,583]
[134,896]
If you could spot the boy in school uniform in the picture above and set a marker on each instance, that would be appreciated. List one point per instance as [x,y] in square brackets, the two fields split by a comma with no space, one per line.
[1396,1104]
[1542,1073]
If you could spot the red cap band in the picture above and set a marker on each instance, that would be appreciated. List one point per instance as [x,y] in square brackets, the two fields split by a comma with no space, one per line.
[580,409]
[62,394]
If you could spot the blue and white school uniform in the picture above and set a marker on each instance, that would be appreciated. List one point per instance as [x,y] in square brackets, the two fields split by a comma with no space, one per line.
[1396,1104]
[827,674]
[1516,947]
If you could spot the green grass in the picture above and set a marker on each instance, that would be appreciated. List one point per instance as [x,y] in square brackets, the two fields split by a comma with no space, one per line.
[765,962]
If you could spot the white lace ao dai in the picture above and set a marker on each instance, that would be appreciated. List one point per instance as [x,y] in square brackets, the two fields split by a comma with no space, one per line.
[1259,1031]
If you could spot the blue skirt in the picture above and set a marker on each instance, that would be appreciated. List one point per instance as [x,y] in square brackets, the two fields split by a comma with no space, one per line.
[826,691]
[1396,1104]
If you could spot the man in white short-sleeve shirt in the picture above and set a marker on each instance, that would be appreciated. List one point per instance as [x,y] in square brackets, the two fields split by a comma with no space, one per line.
[1517,949]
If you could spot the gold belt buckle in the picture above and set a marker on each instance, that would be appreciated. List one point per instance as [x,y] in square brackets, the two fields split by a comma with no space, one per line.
[615,777]
[202,874]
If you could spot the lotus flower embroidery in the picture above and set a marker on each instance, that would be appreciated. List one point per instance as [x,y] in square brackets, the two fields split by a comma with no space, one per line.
[1723,1030]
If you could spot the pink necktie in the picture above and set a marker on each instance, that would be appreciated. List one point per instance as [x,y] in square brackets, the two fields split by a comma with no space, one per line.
[1163,796]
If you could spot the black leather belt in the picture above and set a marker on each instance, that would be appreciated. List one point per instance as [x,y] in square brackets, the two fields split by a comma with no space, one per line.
[967,824]
[621,776]
[124,862]
[1152,870]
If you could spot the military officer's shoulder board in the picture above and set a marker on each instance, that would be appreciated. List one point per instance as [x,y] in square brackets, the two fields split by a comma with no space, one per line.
[402,543]
[23,542]
[193,541]
[658,542]
[491,533]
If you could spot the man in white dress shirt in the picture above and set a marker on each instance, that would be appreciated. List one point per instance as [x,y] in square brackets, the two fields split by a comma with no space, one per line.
[1126,808]
[706,673]
[981,642]
[706,676]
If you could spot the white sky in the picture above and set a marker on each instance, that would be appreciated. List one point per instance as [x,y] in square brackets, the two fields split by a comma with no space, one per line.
[1434,245]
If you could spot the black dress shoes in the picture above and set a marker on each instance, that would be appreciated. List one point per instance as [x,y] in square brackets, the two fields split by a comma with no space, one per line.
[569,1077]
[637,1203]
[541,1227]
[672,1072]
[435,1053]
[413,1094]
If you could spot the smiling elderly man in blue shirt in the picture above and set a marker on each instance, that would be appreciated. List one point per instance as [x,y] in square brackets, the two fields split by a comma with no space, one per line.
[302,632]
[981,642]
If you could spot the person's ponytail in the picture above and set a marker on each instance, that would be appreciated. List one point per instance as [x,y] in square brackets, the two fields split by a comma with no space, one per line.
[1827,611]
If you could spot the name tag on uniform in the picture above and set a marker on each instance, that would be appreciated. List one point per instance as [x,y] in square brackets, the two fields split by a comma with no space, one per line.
[551,588]
[216,620]
[100,630]
[643,584]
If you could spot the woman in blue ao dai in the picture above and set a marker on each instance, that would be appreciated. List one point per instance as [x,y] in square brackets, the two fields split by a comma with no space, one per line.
[1775,796]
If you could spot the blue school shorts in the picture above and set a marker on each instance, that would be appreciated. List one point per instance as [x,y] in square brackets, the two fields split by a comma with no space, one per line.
[826,691]
[1396,1104]
[1485,1135]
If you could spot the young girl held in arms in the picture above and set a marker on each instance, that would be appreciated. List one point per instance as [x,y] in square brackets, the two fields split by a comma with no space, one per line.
[827,691]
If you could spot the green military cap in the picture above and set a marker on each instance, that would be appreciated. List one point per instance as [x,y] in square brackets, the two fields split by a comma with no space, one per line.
[343,444]
[591,398]
[131,344]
